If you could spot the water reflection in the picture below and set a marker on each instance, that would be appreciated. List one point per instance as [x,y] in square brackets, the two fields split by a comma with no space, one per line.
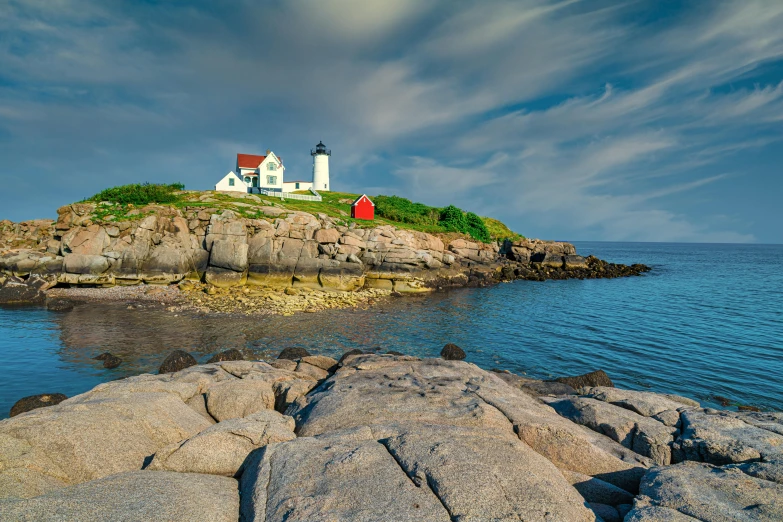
[704,323]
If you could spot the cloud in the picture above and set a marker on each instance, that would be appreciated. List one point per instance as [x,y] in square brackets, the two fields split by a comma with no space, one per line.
[590,120]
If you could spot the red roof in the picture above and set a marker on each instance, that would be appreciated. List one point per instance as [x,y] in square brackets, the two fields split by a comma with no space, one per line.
[249,161]
[360,198]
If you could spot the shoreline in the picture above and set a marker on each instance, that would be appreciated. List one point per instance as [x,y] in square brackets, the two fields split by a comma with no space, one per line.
[505,428]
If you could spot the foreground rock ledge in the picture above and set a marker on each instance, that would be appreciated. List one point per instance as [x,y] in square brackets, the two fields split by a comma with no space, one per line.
[379,438]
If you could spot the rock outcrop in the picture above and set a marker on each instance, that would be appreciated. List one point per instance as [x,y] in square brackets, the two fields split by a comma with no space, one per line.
[162,245]
[383,437]
[134,496]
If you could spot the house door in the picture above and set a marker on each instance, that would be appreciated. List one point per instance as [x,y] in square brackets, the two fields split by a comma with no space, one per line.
[255,182]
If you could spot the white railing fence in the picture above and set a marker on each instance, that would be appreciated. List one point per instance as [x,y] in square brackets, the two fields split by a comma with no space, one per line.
[285,195]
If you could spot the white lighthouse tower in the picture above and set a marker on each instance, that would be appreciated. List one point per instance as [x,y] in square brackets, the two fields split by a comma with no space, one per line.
[320,166]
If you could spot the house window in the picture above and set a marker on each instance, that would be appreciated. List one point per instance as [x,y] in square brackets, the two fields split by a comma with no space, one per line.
[297,186]
[247,179]
[271,166]
[230,182]
[271,180]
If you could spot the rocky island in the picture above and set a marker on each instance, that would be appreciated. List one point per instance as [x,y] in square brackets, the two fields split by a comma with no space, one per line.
[380,438]
[243,252]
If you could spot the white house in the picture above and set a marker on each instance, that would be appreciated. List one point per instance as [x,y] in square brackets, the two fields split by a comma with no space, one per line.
[231,183]
[255,172]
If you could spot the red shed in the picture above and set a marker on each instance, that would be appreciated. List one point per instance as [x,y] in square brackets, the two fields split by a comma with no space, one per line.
[363,208]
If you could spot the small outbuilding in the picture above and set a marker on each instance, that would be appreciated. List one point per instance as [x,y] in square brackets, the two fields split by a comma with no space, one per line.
[363,208]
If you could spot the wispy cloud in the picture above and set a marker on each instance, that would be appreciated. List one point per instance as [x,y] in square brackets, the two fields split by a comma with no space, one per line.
[586,120]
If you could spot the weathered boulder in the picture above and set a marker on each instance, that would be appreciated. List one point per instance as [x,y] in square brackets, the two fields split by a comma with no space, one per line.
[721,437]
[86,264]
[596,490]
[327,235]
[424,473]
[346,278]
[574,261]
[647,404]
[224,277]
[380,389]
[484,475]
[240,398]
[452,352]
[17,292]
[321,361]
[176,361]
[36,401]
[134,496]
[357,480]
[706,492]
[293,353]
[109,360]
[313,371]
[105,431]
[349,353]
[227,355]
[643,512]
[283,364]
[231,255]
[771,470]
[587,380]
[259,386]
[604,512]
[641,434]
[222,448]
[89,240]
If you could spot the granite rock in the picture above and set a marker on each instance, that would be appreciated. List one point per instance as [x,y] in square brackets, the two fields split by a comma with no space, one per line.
[134,496]
[222,448]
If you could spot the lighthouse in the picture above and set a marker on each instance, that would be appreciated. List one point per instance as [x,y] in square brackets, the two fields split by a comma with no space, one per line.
[320,166]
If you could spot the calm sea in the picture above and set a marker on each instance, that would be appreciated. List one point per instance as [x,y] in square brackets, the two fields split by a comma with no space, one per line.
[708,320]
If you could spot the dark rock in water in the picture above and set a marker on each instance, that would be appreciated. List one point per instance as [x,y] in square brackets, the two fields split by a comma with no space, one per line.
[109,361]
[348,354]
[392,352]
[452,352]
[748,408]
[293,353]
[176,361]
[596,378]
[59,305]
[227,355]
[723,401]
[36,401]
[20,293]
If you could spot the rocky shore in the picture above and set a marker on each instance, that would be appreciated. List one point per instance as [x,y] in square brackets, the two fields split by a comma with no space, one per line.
[383,437]
[221,257]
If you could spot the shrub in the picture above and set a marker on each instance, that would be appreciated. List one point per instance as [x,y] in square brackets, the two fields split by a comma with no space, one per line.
[453,219]
[140,194]
[476,228]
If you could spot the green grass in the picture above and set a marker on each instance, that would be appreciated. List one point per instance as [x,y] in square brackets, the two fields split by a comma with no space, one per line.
[140,194]
[498,230]
[115,204]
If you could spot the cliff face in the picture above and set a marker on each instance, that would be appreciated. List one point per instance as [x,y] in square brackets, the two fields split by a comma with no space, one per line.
[162,245]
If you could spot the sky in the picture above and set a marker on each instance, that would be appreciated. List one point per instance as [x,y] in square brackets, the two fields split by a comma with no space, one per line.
[643,120]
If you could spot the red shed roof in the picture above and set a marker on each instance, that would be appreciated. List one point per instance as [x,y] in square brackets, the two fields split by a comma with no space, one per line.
[360,198]
[249,161]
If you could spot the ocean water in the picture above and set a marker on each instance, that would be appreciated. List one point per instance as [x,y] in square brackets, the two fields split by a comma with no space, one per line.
[707,321]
